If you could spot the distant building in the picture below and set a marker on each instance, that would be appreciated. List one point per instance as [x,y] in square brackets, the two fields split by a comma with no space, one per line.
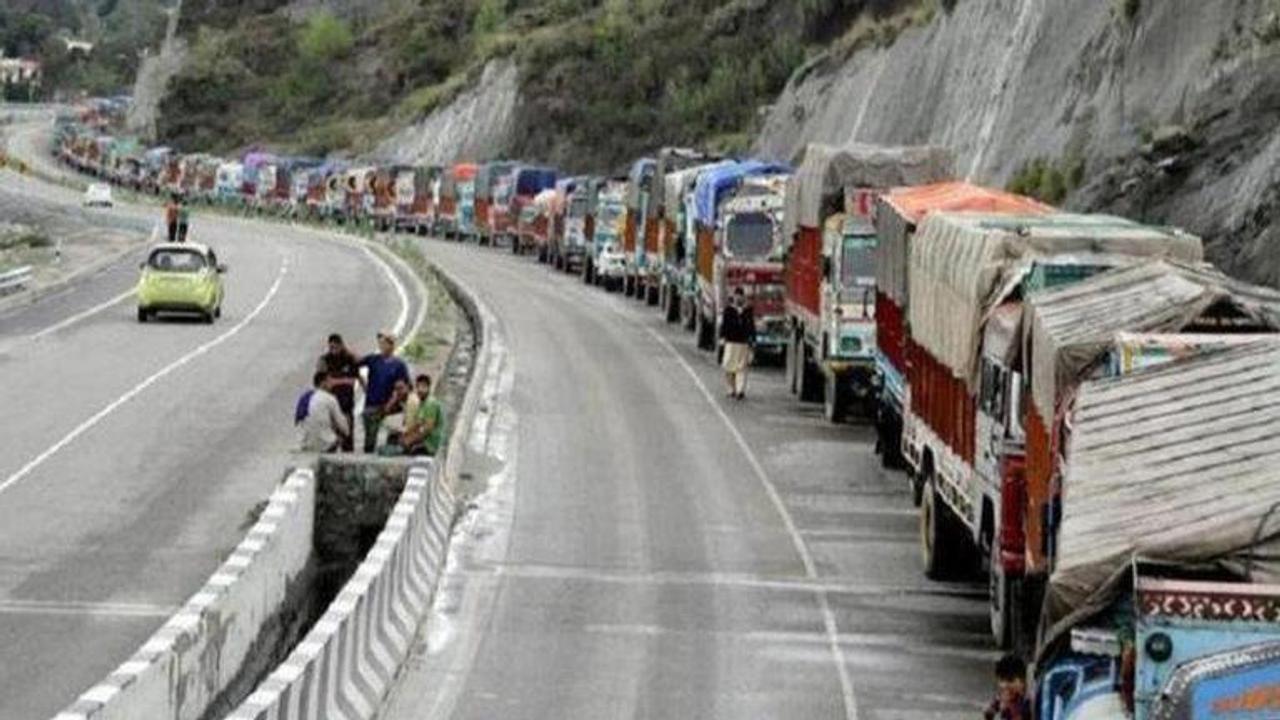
[78,46]
[20,71]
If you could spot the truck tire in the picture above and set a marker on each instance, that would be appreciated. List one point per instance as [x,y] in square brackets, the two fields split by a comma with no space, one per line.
[943,544]
[704,331]
[653,296]
[810,389]
[792,362]
[672,305]
[835,399]
[687,310]
[586,272]
[1005,604]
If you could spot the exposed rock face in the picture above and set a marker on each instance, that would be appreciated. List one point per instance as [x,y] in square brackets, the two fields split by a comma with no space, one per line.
[153,79]
[1002,82]
[476,126]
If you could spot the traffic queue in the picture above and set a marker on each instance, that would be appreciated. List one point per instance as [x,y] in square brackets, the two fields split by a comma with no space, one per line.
[1086,411]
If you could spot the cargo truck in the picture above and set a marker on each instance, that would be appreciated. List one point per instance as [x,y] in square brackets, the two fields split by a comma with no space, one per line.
[676,239]
[661,214]
[1163,601]
[449,206]
[1114,323]
[963,434]
[557,245]
[738,211]
[526,182]
[580,225]
[830,267]
[638,226]
[898,215]
[487,178]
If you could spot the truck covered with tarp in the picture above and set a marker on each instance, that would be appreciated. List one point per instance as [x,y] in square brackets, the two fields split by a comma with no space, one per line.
[964,434]
[737,213]
[656,237]
[487,179]
[677,238]
[1164,601]
[830,276]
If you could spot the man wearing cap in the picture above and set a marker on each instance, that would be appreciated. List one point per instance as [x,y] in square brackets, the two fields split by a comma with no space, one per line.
[340,364]
[385,370]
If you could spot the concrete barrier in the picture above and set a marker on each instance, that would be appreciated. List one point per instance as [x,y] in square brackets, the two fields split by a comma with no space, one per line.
[200,652]
[346,664]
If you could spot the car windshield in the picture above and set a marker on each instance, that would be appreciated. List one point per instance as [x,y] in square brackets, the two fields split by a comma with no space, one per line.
[857,264]
[750,235]
[175,260]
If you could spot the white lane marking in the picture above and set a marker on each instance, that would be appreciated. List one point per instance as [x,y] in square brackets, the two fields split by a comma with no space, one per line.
[92,609]
[403,320]
[802,549]
[140,387]
[84,315]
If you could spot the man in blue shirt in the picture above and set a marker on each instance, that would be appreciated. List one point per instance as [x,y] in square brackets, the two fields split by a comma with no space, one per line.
[384,369]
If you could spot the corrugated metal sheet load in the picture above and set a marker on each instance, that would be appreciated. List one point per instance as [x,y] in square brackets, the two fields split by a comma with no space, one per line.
[963,265]
[825,170]
[1070,327]
[1173,464]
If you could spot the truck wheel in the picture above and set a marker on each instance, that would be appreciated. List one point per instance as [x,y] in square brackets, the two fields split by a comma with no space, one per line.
[687,310]
[942,542]
[835,400]
[1004,594]
[673,306]
[653,296]
[704,331]
[791,361]
[810,377]
[586,273]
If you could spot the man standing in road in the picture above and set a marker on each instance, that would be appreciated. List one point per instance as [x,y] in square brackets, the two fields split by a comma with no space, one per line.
[738,333]
[324,427]
[384,370]
[184,219]
[341,365]
[171,217]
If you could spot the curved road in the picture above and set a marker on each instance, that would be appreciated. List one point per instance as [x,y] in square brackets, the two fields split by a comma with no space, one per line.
[653,550]
[131,455]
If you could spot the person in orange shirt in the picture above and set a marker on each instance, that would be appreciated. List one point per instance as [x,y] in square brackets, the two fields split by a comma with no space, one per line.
[171,217]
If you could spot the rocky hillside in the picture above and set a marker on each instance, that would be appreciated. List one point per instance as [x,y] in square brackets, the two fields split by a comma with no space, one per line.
[1162,110]
[585,84]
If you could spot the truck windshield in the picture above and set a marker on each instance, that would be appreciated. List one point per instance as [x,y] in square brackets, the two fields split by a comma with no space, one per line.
[857,264]
[750,235]
[610,213]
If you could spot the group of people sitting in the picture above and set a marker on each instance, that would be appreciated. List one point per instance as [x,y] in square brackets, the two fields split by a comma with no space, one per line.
[400,416]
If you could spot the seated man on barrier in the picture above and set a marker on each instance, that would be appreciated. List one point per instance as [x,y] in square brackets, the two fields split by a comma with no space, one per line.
[424,429]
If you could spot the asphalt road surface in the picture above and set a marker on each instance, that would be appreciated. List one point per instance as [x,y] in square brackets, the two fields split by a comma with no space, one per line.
[652,549]
[131,455]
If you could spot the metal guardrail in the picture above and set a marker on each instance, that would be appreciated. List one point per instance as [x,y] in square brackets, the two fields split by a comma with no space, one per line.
[14,280]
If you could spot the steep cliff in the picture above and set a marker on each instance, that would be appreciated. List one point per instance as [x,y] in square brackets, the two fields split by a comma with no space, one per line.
[1162,110]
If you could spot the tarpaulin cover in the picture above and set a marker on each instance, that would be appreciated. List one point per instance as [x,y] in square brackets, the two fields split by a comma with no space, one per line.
[826,170]
[963,265]
[255,160]
[671,161]
[533,180]
[680,182]
[1173,464]
[714,183]
[900,211]
[1071,327]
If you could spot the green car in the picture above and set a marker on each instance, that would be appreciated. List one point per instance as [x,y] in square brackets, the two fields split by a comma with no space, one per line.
[181,278]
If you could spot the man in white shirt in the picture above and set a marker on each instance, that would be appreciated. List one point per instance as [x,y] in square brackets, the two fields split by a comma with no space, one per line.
[325,426]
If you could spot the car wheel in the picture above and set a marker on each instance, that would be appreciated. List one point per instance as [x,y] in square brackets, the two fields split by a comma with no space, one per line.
[217,312]
[143,315]
[207,318]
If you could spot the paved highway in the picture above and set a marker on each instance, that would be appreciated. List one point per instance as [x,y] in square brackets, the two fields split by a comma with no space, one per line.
[131,455]
[652,549]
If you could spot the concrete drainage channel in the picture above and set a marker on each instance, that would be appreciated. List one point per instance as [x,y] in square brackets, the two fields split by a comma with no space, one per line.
[315,611]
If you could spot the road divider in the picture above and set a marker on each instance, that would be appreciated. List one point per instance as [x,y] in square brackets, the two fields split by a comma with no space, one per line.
[216,637]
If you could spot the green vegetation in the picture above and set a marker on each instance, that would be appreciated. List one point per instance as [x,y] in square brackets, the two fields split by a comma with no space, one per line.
[1047,180]
[602,80]
[119,32]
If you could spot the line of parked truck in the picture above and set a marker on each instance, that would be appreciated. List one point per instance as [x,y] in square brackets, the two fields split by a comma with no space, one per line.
[1086,411]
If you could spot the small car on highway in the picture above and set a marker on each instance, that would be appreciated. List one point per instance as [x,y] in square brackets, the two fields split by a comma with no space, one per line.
[181,278]
[98,195]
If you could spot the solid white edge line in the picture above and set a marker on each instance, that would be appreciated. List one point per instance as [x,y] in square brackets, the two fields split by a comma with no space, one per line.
[140,387]
[802,548]
[402,321]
